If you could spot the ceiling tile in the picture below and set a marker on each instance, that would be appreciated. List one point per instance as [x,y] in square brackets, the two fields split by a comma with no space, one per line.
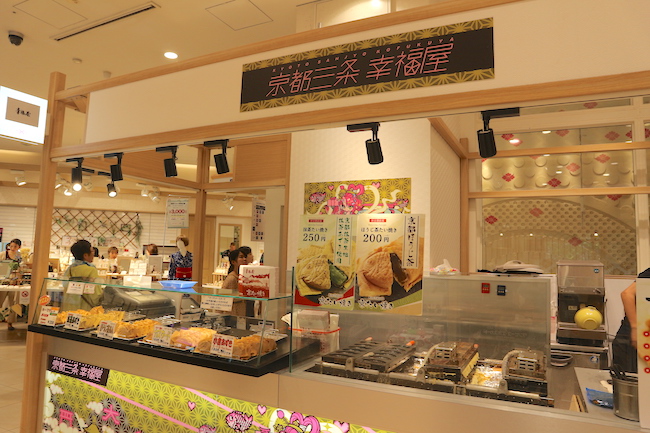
[50,12]
[239,14]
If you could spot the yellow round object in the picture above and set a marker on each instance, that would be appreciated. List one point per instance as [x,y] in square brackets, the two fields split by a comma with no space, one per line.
[588,318]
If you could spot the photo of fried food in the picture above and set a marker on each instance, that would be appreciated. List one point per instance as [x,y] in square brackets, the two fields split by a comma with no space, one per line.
[316,272]
[382,266]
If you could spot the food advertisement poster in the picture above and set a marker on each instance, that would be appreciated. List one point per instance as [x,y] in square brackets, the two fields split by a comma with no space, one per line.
[125,403]
[389,264]
[178,215]
[643,347]
[354,197]
[324,274]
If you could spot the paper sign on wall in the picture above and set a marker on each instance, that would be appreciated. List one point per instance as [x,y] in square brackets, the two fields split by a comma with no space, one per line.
[178,216]
[390,251]
[325,270]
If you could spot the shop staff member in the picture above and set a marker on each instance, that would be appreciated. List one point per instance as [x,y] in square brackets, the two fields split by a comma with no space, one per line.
[180,263]
[11,253]
[112,260]
[81,269]
[624,350]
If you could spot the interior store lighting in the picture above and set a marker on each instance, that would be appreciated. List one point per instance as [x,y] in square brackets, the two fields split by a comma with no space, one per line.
[116,169]
[144,189]
[19,176]
[373,146]
[486,145]
[58,182]
[170,163]
[77,173]
[220,159]
[228,202]
[111,189]
[154,194]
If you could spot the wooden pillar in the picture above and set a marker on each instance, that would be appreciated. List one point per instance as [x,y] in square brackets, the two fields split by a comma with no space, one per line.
[202,177]
[34,371]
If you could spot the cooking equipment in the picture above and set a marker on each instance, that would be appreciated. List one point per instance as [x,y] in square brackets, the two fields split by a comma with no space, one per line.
[626,396]
[581,284]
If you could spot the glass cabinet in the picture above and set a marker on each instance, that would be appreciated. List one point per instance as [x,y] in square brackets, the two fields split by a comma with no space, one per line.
[208,327]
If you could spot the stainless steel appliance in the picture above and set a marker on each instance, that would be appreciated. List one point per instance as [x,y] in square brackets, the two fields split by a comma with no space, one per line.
[580,284]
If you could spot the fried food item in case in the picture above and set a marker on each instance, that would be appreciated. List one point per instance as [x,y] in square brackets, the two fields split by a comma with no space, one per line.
[187,338]
[135,329]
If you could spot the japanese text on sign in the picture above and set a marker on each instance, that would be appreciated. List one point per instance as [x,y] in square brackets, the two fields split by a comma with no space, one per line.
[343,244]
[411,236]
[78,370]
[222,345]
[371,64]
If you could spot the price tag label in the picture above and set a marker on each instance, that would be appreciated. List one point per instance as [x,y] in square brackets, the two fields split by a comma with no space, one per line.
[73,322]
[48,315]
[216,303]
[75,288]
[89,289]
[162,335]
[222,345]
[106,329]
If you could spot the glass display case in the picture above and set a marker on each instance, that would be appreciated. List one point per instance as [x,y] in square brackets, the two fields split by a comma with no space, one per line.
[484,336]
[208,327]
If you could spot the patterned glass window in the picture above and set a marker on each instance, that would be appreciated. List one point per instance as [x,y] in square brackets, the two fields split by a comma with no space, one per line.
[557,172]
[542,231]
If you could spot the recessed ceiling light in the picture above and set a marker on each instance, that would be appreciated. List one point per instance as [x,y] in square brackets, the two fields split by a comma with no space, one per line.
[515,141]
[171,55]
[546,132]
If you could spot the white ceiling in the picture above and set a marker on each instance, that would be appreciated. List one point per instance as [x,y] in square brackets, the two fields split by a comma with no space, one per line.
[137,42]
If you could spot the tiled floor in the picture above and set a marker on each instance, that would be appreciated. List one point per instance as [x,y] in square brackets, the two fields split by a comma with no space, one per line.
[12,364]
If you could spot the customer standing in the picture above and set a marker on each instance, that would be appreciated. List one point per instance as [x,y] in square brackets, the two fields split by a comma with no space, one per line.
[236,258]
[82,269]
[11,253]
[180,263]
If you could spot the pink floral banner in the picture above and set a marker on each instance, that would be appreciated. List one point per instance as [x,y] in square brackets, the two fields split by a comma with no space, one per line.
[355,197]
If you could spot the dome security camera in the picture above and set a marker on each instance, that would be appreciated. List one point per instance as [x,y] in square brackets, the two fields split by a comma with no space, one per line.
[16,38]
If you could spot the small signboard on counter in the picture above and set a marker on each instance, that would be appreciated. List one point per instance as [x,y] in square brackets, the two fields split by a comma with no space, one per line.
[390,251]
[222,345]
[258,281]
[48,315]
[221,303]
[324,274]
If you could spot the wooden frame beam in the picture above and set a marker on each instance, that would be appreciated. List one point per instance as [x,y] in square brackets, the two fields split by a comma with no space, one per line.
[416,107]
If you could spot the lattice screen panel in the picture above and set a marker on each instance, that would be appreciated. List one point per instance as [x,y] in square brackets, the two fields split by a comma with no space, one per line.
[102,228]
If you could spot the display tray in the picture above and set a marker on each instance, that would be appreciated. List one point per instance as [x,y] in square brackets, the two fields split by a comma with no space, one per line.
[236,358]
[151,343]
[303,349]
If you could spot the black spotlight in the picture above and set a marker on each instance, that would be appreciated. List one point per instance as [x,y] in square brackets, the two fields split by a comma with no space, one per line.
[487,147]
[220,159]
[116,169]
[110,188]
[373,147]
[170,163]
[77,173]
